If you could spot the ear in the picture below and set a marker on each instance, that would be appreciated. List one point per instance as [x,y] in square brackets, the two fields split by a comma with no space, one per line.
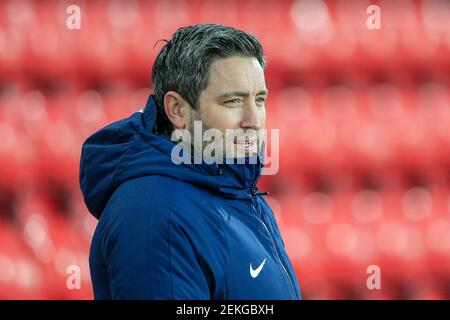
[177,110]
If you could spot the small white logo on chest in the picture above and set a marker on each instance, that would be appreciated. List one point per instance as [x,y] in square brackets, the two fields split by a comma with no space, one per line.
[255,272]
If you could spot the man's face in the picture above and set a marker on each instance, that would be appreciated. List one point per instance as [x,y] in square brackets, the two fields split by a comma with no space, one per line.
[234,99]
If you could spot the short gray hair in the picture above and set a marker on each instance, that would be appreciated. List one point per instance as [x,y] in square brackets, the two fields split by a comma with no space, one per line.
[183,63]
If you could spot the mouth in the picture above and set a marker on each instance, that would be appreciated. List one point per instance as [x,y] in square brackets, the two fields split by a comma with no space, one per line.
[246,141]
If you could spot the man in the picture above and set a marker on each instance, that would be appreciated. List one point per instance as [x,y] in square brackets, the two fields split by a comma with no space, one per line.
[172,230]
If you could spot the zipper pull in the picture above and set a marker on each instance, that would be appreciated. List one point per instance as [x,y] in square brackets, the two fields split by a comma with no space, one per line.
[255,192]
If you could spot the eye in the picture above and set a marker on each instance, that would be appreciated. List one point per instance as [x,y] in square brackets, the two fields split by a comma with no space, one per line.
[233,101]
[261,100]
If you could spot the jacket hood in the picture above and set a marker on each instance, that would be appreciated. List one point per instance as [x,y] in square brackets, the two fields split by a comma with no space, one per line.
[131,148]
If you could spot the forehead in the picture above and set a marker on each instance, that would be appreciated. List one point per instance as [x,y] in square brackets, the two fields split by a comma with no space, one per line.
[236,73]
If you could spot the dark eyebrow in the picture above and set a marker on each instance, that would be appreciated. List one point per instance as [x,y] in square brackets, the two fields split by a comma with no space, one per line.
[240,94]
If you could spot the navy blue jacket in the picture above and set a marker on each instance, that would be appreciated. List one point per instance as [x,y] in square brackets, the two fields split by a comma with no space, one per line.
[167,231]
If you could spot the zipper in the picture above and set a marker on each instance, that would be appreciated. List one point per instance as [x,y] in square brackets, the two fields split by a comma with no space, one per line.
[253,193]
[279,259]
[278,256]
[253,187]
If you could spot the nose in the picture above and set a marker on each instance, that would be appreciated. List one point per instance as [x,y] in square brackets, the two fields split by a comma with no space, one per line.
[251,117]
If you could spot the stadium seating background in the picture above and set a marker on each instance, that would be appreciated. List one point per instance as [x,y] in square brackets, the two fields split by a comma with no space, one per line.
[364,121]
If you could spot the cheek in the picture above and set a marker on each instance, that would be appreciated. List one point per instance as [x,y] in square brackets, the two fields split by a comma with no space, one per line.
[262,117]
[222,118]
